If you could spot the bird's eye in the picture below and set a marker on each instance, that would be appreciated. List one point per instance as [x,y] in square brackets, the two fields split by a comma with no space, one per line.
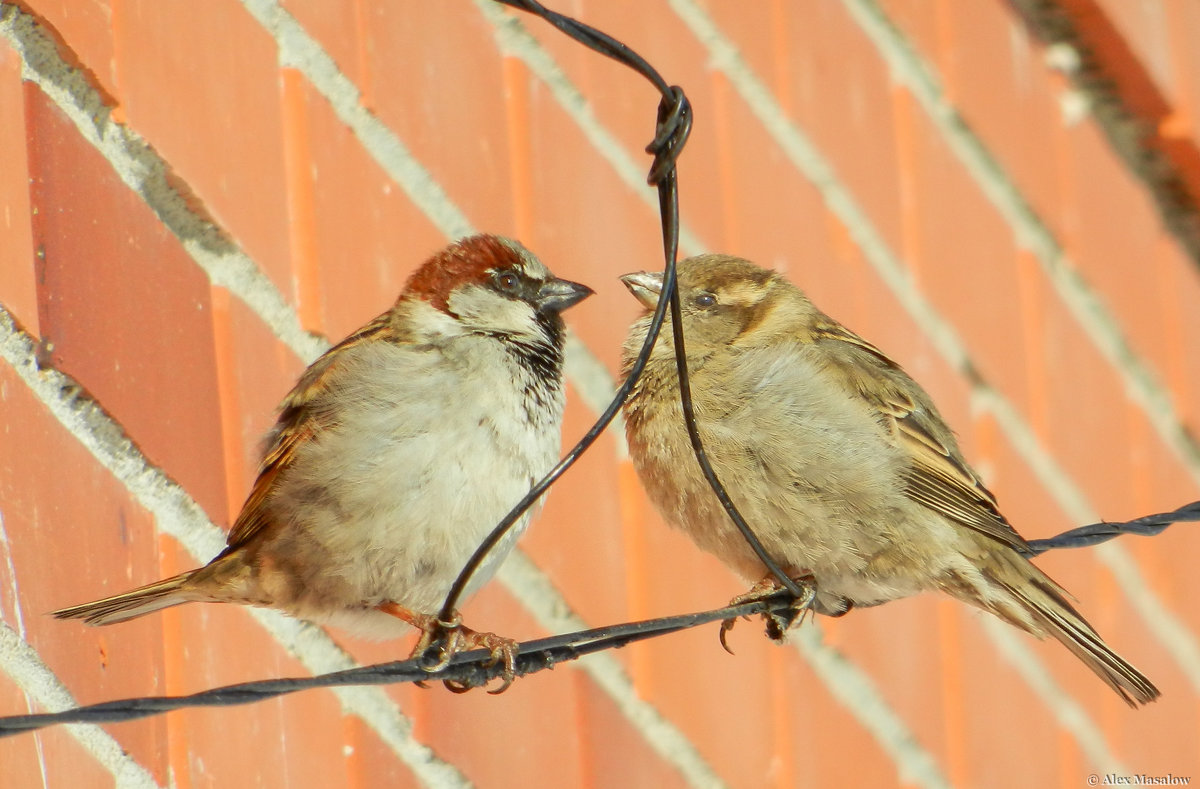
[706,300]
[508,281]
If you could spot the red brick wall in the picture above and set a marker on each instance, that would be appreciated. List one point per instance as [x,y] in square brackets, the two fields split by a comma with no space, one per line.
[193,193]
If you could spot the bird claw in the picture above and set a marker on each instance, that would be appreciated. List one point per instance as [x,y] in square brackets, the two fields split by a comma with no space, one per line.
[777,625]
[451,638]
[726,626]
[502,649]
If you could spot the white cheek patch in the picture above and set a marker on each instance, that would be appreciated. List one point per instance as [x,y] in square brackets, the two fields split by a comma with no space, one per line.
[482,309]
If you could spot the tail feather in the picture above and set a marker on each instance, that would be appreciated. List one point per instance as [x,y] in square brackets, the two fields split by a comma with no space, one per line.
[1049,609]
[132,604]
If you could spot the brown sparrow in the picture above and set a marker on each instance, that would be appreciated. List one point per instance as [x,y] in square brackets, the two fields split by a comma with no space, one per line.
[839,462]
[395,453]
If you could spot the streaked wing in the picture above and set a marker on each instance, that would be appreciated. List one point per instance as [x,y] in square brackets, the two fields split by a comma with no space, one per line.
[939,478]
[298,422]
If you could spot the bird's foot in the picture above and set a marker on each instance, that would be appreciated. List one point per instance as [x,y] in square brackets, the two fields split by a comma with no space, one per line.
[777,624]
[453,637]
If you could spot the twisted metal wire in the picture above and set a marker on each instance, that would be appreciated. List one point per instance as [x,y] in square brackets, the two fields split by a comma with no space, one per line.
[466,670]
[476,668]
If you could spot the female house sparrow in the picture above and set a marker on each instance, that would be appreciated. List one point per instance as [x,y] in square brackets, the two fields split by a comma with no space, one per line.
[395,454]
[837,459]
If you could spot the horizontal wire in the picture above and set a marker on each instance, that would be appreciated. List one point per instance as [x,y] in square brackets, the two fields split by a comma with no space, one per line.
[1096,533]
[467,669]
[476,668]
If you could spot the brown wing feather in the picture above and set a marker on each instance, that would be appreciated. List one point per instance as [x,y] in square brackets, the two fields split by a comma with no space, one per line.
[298,422]
[939,477]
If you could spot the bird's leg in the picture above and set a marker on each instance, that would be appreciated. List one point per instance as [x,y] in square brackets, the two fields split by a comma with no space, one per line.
[456,638]
[777,624]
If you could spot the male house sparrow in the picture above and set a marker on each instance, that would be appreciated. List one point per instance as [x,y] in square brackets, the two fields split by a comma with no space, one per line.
[837,459]
[395,453]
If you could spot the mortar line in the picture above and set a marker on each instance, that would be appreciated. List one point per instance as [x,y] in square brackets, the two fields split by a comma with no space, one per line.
[38,682]
[858,693]
[141,169]
[1085,304]
[1071,716]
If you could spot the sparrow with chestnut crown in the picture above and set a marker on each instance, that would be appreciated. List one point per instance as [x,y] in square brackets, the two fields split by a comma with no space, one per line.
[395,454]
[837,459]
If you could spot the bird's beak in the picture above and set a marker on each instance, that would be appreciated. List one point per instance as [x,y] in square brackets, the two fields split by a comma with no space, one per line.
[645,287]
[557,294]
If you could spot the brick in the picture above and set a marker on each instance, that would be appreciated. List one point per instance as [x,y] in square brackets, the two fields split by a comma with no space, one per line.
[1117,258]
[58,496]
[1008,96]
[307,726]
[759,32]
[340,30]
[614,754]
[1138,50]
[201,84]
[874,313]
[1159,482]
[929,30]
[27,763]
[908,652]
[254,373]
[126,311]
[1180,289]
[371,763]
[825,743]
[770,213]
[21,755]
[1183,27]
[967,260]
[454,125]
[264,154]
[369,236]
[1083,395]
[842,99]
[671,671]
[577,538]
[991,684]
[999,89]
[1023,497]
[637,518]
[504,740]
[18,290]
[1035,514]
[1178,133]
[675,577]
[84,31]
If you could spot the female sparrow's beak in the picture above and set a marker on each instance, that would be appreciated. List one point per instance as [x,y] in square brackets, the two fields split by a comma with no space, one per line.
[645,287]
[558,294]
